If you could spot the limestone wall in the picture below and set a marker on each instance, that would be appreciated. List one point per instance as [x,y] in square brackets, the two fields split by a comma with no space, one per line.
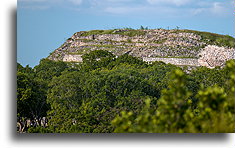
[72,58]
[174,61]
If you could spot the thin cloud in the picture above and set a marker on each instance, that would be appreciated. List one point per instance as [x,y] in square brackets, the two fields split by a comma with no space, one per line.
[32,1]
[123,10]
[215,8]
[119,1]
[35,7]
[46,4]
[196,7]
[170,8]
[169,2]
[147,12]
[76,2]
[218,8]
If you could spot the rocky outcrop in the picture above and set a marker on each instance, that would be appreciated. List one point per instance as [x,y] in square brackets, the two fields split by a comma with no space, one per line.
[212,56]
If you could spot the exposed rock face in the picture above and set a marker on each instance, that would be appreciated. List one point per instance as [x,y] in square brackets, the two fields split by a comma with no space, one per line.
[212,56]
[170,46]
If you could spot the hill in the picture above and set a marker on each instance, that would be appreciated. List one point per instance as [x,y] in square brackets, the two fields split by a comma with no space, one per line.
[178,47]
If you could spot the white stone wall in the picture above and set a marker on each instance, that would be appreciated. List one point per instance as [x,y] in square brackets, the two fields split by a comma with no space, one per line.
[211,56]
[174,61]
[72,58]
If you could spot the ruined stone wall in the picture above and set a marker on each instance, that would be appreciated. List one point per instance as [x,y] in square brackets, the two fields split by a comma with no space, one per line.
[175,61]
[149,45]
[72,58]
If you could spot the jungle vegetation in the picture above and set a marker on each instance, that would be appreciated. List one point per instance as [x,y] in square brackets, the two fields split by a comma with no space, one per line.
[105,94]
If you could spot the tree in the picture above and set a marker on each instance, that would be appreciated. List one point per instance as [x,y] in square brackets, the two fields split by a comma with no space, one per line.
[143,28]
[24,94]
[64,97]
[175,114]
[124,94]
[47,69]
[31,96]
[128,60]
[96,59]
[172,114]
[214,116]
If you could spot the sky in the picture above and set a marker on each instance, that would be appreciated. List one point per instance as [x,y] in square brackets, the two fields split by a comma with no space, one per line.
[44,25]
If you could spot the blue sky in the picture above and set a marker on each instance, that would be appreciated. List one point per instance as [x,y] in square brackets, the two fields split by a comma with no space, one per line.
[44,25]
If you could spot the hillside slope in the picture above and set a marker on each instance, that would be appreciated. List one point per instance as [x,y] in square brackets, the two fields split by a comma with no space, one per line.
[179,47]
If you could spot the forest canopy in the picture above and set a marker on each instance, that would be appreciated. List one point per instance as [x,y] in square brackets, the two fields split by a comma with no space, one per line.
[105,94]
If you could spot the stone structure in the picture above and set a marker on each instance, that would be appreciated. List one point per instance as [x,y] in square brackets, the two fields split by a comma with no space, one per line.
[150,45]
[72,58]
[23,124]
[175,61]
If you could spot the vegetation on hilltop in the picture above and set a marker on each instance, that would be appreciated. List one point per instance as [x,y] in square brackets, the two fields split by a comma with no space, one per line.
[105,94]
[212,38]
[126,31]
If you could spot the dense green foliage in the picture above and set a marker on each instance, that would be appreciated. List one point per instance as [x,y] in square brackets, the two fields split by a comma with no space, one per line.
[105,94]
[31,94]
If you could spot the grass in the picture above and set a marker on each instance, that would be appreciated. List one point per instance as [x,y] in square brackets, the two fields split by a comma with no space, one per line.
[105,46]
[85,40]
[127,32]
[160,41]
[79,52]
[196,48]
[132,33]
[95,32]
